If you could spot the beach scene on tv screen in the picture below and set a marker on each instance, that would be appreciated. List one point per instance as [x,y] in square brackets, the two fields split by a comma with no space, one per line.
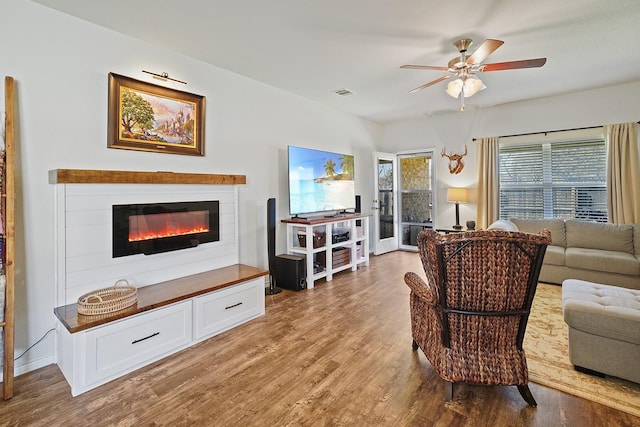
[320,181]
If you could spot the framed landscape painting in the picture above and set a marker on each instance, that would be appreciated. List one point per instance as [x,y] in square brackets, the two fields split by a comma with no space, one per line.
[148,117]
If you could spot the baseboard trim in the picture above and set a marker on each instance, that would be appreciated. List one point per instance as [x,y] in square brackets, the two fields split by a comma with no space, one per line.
[31,366]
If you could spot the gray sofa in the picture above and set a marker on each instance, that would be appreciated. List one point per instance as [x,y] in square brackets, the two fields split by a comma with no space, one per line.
[596,252]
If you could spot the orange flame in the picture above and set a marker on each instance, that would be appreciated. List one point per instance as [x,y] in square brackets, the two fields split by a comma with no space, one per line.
[167,224]
[139,237]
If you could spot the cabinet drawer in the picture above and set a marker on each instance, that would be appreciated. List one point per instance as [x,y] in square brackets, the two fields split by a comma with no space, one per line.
[123,346]
[220,310]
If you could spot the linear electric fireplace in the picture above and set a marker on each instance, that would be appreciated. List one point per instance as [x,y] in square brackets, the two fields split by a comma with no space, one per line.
[152,228]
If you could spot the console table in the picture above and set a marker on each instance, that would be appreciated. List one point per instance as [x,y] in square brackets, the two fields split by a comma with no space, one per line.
[316,250]
[167,318]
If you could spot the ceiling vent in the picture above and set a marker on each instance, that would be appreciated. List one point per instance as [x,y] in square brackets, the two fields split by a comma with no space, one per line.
[343,92]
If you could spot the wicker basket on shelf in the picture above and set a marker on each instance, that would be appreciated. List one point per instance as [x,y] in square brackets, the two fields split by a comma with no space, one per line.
[108,300]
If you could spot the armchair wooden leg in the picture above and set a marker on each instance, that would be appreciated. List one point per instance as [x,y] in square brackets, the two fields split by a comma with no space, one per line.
[526,395]
[414,345]
[448,391]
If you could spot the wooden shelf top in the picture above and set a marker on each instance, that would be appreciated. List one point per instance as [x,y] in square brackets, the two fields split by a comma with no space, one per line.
[322,219]
[84,176]
[161,294]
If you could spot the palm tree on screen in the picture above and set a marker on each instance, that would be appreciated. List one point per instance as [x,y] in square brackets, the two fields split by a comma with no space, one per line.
[329,168]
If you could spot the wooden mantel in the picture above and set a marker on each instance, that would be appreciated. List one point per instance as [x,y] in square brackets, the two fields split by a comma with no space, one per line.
[82,176]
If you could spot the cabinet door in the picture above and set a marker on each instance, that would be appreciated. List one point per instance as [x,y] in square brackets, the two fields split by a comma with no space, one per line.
[220,310]
[122,346]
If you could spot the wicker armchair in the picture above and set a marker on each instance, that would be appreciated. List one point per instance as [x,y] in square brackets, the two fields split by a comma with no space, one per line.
[470,316]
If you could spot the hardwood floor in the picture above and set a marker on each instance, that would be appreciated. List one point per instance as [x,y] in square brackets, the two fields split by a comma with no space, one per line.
[336,355]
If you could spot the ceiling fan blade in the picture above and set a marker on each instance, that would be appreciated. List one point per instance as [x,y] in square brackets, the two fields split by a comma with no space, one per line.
[513,65]
[485,49]
[431,83]
[425,67]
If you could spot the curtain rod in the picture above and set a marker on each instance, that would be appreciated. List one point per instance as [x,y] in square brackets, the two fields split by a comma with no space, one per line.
[548,131]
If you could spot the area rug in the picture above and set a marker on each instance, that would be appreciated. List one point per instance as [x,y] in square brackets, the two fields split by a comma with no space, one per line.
[546,346]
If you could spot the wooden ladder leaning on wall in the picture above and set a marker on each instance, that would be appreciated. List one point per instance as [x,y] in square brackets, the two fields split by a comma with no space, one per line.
[8,248]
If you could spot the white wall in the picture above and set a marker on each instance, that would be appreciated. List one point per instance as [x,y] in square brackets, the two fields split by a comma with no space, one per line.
[61,64]
[615,104]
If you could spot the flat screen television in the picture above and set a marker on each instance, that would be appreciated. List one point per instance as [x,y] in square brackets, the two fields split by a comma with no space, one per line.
[320,181]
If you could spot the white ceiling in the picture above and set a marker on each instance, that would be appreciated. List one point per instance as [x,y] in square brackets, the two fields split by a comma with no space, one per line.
[313,47]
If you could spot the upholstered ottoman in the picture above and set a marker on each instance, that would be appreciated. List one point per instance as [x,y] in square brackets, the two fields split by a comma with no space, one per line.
[604,328]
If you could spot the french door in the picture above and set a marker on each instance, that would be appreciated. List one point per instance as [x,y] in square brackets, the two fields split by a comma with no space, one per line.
[385,218]
[415,200]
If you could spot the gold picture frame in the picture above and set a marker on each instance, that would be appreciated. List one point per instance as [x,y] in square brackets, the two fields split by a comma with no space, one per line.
[147,117]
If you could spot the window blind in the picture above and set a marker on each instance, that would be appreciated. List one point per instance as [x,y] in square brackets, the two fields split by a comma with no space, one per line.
[554,180]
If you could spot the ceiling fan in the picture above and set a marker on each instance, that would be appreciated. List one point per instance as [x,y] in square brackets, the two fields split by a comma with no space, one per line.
[465,68]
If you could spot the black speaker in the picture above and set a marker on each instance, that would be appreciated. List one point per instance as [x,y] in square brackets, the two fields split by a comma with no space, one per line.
[358,204]
[271,246]
[291,272]
[271,233]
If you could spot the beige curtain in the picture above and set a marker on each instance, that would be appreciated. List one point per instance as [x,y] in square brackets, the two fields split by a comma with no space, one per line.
[623,173]
[488,192]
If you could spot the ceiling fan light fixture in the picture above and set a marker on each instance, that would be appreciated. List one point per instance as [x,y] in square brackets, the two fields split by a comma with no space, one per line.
[472,86]
[469,86]
[462,69]
[455,87]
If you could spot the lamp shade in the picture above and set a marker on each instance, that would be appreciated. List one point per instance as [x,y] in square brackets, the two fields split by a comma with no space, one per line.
[455,87]
[457,195]
[472,85]
[469,86]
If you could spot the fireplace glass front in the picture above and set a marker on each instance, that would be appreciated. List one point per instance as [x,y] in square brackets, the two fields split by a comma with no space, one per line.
[152,228]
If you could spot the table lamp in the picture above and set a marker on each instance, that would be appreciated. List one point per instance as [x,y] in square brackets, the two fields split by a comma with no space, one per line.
[457,195]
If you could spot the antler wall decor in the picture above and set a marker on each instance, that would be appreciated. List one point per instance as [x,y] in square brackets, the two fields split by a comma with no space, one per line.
[455,160]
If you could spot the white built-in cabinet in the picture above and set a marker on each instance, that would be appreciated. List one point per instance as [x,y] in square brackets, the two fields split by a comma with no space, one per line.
[90,357]
[183,297]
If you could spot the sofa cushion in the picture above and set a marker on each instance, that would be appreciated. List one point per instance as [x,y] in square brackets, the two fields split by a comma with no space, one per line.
[595,235]
[554,255]
[636,239]
[503,224]
[599,260]
[555,226]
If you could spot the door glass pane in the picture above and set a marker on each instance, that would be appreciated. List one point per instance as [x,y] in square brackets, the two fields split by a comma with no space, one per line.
[416,207]
[416,201]
[385,198]
[415,173]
